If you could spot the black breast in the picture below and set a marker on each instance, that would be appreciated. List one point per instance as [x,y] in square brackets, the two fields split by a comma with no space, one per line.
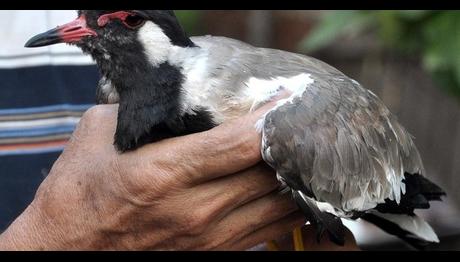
[150,106]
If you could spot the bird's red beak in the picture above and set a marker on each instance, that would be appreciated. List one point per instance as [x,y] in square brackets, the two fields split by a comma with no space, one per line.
[69,33]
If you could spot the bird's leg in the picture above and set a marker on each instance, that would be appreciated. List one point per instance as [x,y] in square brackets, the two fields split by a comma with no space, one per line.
[297,239]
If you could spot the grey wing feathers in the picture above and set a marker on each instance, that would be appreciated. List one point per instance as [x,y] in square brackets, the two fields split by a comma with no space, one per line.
[236,61]
[338,143]
[342,141]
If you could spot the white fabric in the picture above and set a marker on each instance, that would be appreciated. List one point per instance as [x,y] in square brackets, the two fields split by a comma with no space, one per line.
[18,26]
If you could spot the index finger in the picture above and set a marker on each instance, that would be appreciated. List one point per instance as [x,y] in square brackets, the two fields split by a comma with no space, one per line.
[223,150]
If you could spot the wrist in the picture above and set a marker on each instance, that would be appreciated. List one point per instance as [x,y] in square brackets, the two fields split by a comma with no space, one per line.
[34,230]
[26,232]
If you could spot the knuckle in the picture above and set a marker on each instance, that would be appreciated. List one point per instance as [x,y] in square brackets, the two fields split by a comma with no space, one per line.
[197,222]
[249,150]
[235,136]
[90,121]
[249,145]
[97,114]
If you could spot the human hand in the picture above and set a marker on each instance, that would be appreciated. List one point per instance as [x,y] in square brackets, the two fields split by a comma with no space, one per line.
[199,192]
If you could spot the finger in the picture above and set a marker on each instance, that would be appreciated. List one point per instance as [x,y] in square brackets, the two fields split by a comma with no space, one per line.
[223,195]
[254,215]
[272,231]
[221,151]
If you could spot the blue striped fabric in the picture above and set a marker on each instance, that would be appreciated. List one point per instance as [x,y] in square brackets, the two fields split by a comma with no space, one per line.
[58,120]
[44,109]
[43,93]
[40,131]
[39,109]
[37,151]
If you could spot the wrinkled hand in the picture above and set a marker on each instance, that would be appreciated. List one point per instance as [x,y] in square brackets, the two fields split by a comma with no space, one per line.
[199,192]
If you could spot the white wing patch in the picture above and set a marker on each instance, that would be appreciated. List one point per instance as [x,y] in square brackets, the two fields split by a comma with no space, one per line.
[262,90]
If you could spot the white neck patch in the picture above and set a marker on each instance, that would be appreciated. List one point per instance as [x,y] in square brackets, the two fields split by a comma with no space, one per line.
[156,43]
[159,49]
[192,60]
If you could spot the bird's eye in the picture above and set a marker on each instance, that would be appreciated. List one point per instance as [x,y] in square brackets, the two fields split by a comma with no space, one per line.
[134,21]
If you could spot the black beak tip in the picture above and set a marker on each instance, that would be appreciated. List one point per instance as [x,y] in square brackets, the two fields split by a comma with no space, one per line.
[30,43]
[36,41]
[48,38]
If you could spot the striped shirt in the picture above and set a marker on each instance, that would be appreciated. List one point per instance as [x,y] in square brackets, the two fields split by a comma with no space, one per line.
[43,93]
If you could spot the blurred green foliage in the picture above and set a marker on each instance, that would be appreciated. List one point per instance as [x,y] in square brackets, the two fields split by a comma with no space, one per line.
[432,35]
[189,20]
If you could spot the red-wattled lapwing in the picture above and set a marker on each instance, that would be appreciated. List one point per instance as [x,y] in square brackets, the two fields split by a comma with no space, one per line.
[334,144]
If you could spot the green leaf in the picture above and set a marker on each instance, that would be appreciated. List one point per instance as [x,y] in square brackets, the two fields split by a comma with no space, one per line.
[390,28]
[189,19]
[334,24]
[442,54]
[432,35]
[413,14]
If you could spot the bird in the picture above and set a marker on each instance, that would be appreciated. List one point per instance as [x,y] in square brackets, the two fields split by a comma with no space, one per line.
[334,144]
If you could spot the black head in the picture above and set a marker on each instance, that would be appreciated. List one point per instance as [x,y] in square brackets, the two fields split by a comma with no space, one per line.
[132,49]
[110,32]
